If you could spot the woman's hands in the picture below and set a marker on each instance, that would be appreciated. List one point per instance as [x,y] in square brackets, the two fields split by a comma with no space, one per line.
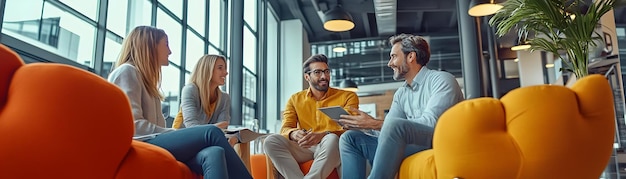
[222,125]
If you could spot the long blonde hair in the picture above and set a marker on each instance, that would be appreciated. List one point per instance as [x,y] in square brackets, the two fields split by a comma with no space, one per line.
[201,77]
[140,49]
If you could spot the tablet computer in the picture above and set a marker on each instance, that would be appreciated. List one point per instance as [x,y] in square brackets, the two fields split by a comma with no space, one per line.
[333,112]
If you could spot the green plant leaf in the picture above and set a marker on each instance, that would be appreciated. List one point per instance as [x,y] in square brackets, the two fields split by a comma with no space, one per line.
[563,27]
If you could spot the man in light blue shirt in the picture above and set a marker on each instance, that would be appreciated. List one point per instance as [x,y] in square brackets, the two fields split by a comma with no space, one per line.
[408,127]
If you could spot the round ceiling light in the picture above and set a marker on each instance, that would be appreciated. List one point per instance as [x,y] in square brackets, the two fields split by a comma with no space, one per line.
[480,8]
[520,47]
[348,85]
[338,20]
[339,49]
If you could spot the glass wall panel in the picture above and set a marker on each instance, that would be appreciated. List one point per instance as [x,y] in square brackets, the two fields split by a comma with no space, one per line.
[272,60]
[227,85]
[250,13]
[196,15]
[173,29]
[140,14]
[228,26]
[195,50]
[55,30]
[170,83]
[117,16]
[215,22]
[248,114]
[88,8]
[187,77]
[249,85]
[176,6]
[112,48]
[75,38]
[214,51]
[250,50]
[24,25]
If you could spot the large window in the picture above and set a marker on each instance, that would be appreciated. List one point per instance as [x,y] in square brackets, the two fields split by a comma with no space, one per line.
[195,50]
[47,26]
[170,88]
[88,8]
[216,23]
[117,16]
[250,13]
[196,15]
[112,47]
[70,29]
[173,30]
[249,61]
[175,6]
[249,50]
[272,107]
[140,13]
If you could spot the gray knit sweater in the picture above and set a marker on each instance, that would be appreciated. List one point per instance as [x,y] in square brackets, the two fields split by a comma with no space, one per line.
[193,113]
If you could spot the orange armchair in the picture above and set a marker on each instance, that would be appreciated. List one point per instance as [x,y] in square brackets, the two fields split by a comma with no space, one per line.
[532,132]
[262,167]
[58,121]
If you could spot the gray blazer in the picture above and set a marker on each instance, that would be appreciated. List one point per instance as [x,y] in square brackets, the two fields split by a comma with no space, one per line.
[193,113]
[147,115]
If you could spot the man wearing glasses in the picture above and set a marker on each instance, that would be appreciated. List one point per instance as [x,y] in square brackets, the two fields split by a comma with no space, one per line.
[306,133]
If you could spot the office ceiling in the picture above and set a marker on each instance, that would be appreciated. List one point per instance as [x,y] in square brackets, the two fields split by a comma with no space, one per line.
[436,19]
[426,17]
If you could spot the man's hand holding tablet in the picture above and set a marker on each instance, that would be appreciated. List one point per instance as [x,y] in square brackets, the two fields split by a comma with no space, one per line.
[360,121]
[334,113]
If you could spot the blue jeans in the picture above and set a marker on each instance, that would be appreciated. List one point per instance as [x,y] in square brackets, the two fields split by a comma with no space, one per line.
[205,150]
[399,138]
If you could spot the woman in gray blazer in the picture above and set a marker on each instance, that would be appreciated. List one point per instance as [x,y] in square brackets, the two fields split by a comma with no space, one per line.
[202,100]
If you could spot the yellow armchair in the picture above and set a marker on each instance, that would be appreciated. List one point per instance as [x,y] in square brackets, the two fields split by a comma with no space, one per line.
[533,132]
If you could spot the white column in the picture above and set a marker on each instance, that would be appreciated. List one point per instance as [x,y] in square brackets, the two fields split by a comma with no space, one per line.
[295,48]
[530,68]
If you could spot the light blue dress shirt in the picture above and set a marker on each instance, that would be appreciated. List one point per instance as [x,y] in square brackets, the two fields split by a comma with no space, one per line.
[430,94]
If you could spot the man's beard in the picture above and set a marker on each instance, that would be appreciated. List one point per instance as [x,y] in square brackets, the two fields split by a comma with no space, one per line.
[401,72]
[317,86]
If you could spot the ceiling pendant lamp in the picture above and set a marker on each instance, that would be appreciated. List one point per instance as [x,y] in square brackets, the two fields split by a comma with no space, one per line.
[339,49]
[520,47]
[338,20]
[348,85]
[480,8]
[520,44]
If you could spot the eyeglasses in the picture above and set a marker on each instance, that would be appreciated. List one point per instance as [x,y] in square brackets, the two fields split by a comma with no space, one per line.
[319,72]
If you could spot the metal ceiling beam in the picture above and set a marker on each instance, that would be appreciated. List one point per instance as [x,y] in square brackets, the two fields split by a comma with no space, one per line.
[453,20]
[294,8]
[366,24]
[427,10]
[386,12]
[418,22]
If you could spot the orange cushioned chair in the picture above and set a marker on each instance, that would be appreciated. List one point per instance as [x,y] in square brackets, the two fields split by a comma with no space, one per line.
[533,132]
[261,166]
[57,121]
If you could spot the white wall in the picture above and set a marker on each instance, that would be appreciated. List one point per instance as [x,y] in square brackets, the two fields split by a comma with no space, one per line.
[272,80]
[295,49]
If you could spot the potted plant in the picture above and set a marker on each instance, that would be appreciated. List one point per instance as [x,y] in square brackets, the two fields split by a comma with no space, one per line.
[559,26]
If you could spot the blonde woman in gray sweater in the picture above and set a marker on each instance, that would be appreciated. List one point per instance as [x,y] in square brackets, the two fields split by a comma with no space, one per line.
[202,100]
[203,149]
